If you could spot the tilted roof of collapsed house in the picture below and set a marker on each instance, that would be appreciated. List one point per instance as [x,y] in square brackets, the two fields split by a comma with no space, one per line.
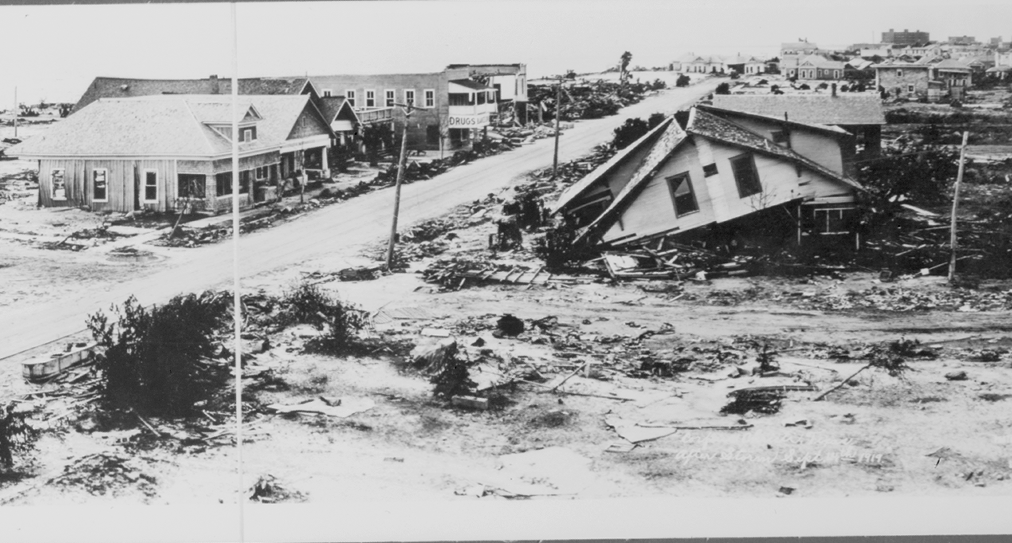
[860,109]
[578,188]
[168,126]
[700,124]
[119,87]
[470,84]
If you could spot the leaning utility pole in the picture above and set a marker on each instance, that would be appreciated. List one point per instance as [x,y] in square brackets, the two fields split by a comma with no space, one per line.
[397,186]
[558,113]
[955,206]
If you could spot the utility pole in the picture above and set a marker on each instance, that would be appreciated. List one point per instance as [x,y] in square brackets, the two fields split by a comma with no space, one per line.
[397,186]
[955,206]
[558,113]
[15,112]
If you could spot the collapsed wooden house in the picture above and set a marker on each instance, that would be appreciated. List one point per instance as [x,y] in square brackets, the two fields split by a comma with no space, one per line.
[717,177]
[167,152]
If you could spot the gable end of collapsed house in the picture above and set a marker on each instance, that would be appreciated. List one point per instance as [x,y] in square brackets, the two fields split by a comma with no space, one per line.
[716,177]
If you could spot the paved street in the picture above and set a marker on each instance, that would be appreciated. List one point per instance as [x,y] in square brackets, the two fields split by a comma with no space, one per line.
[334,229]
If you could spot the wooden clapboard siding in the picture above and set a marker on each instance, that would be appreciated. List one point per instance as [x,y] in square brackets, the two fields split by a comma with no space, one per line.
[819,147]
[167,185]
[121,177]
[653,210]
[779,179]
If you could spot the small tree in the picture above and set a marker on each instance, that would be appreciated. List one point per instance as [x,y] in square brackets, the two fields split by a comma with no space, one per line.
[16,437]
[723,88]
[376,138]
[151,359]
[632,130]
[625,60]
[683,81]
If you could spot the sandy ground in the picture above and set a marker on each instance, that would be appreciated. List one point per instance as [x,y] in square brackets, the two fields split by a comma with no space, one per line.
[918,434]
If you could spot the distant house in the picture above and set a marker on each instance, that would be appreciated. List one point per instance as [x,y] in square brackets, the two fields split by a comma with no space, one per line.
[903,78]
[858,114]
[744,65]
[957,76]
[681,63]
[120,87]
[798,49]
[169,151]
[713,178]
[819,67]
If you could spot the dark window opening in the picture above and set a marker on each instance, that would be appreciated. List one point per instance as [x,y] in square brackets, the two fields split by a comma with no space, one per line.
[779,137]
[223,184]
[683,195]
[58,184]
[709,169]
[190,186]
[746,176]
[100,190]
[151,186]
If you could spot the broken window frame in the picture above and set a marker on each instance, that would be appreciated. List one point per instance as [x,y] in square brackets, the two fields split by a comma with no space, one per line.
[430,97]
[389,97]
[199,184]
[95,185]
[744,190]
[61,174]
[676,181]
[409,96]
[349,96]
[824,226]
[145,186]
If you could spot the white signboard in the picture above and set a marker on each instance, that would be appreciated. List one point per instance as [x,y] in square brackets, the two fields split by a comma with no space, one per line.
[467,121]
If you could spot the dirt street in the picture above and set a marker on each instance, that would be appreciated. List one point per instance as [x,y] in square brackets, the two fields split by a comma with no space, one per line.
[333,233]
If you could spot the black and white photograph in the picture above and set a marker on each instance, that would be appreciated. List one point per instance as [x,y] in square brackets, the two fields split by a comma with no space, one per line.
[594,264]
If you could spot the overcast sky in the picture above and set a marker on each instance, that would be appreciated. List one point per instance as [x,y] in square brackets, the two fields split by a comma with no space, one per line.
[53,52]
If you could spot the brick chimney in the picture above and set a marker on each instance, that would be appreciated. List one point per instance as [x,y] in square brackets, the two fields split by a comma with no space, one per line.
[215,87]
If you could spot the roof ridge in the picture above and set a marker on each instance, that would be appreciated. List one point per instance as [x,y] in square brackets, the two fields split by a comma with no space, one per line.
[200,127]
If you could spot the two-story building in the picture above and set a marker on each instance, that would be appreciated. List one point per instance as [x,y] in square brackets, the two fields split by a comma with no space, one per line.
[904,79]
[510,84]
[452,109]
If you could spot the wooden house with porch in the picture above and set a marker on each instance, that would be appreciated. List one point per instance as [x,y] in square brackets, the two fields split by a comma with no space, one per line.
[711,178]
[165,152]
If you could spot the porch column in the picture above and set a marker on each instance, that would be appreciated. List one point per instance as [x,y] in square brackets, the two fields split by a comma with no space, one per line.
[323,162]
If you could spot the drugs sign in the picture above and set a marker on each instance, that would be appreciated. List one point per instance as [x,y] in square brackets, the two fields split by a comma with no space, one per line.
[467,121]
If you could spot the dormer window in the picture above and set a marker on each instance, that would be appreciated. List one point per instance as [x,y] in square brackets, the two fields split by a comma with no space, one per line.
[249,134]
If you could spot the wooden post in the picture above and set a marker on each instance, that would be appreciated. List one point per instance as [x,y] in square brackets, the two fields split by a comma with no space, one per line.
[397,188]
[15,112]
[558,113]
[955,207]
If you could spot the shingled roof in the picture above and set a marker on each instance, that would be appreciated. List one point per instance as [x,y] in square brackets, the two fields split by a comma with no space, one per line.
[588,180]
[808,108]
[117,87]
[330,106]
[164,126]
